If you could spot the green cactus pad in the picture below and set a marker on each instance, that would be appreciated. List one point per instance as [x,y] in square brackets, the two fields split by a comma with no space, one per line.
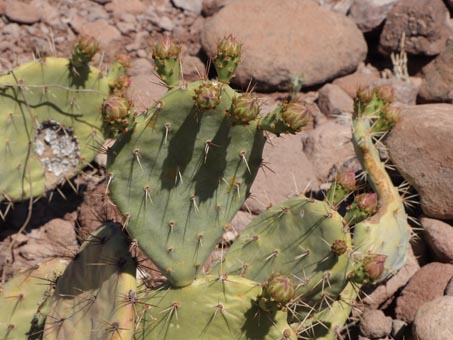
[25,301]
[326,324]
[220,308]
[180,176]
[294,238]
[386,232]
[51,123]
[93,298]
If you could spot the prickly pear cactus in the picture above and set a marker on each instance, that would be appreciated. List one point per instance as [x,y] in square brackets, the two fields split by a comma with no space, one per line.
[51,121]
[299,238]
[25,301]
[181,174]
[386,233]
[95,297]
[211,307]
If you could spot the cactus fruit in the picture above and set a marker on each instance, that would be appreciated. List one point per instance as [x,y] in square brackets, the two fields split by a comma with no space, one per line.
[166,56]
[211,307]
[342,187]
[286,118]
[117,113]
[227,58]
[25,301]
[244,109]
[277,292]
[93,296]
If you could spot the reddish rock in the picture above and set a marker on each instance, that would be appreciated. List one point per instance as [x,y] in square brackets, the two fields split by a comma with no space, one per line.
[434,320]
[21,12]
[438,77]
[144,91]
[119,7]
[426,285]
[334,101]
[425,23]
[313,41]
[374,324]
[327,146]
[439,236]
[421,149]
[285,172]
[355,81]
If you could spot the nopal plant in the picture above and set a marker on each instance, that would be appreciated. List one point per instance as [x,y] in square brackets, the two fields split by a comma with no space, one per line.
[179,173]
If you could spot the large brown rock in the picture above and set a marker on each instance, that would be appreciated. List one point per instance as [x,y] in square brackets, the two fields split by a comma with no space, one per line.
[425,23]
[22,13]
[439,236]
[286,172]
[421,148]
[438,77]
[434,320]
[284,38]
[426,285]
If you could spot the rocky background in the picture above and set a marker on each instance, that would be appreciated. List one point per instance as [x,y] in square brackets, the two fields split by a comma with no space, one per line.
[338,46]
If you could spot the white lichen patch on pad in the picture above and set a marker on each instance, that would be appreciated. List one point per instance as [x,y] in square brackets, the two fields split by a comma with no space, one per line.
[58,150]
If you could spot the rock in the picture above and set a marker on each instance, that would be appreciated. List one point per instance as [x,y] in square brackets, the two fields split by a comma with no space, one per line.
[102,2]
[57,238]
[398,329]
[369,14]
[355,81]
[210,7]
[450,4]
[104,33]
[119,7]
[374,324]
[434,320]
[22,13]
[334,101]
[272,52]
[2,7]
[449,289]
[192,67]
[404,92]
[427,284]
[144,90]
[194,6]
[140,66]
[327,146]
[425,23]
[339,6]
[438,77]
[420,147]
[439,236]
[286,173]
[384,294]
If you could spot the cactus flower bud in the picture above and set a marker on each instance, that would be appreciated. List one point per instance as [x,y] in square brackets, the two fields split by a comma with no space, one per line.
[227,58]
[347,180]
[207,95]
[373,266]
[116,109]
[84,50]
[367,202]
[244,109]
[339,247]
[295,116]
[166,48]
[280,289]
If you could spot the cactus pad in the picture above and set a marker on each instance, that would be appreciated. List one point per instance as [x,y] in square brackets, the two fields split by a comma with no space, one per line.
[181,175]
[92,299]
[50,117]
[211,307]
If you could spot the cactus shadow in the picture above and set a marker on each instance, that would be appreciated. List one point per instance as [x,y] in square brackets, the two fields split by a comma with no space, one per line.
[180,150]
[257,323]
